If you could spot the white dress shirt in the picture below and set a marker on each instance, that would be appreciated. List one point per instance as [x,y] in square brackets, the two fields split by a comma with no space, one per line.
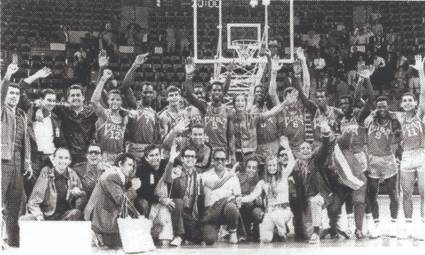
[44,135]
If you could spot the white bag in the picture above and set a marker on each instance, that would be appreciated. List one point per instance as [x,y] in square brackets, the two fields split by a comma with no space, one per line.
[136,235]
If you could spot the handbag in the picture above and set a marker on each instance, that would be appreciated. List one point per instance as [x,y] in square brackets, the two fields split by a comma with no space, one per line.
[135,233]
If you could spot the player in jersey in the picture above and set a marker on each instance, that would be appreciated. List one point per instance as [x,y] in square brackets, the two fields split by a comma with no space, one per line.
[143,126]
[297,117]
[216,115]
[412,165]
[173,112]
[352,122]
[383,132]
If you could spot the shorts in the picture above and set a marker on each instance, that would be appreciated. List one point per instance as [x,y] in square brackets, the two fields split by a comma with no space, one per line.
[362,159]
[413,160]
[382,167]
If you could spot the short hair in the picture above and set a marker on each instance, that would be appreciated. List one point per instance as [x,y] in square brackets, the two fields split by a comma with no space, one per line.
[61,148]
[150,148]
[198,125]
[321,91]
[382,98]
[259,86]
[350,98]
[197,85]
[15,85]
[219,150]
[147,84]
[122,157]
[95,145]
[408,93]
[114,91]
[281,148]
[171,89]
[46,92]
[217,83]
[188,148]
[288,90]
[74,86]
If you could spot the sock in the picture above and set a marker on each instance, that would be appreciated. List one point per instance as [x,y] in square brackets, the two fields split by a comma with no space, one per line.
[393,220]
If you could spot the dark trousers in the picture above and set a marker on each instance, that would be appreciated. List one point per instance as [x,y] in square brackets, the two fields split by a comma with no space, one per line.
[250,214]
[184,224]
[12,192]
[334,207]
[296,206]
[220,213]
[143,206]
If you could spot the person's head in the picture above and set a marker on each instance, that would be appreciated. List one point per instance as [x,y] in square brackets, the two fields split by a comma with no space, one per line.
[288,91]
[219,157]
[188,157]
[382,106]
[173,96]
[239,102]
[61,159]
[198,134]
[217,92]
[321,97]
[48,96]
[271,165]
[114,99]
[282,155]
[147,94]
[153,155]
[199,91]
[408,102]
[259,94]
[75,96]
[251,166]
[127,164]
[94,154]
[346,104]
[13,95]
[306,151]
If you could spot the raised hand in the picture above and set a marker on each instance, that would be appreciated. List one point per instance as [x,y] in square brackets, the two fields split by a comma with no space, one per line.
[325,129]
[173,152]
[182,125]
[231,66]
[29,172]
[140,59]
[300,54]
[276,66]
[43,73]
[189,66]
[11,69]
[103,59]
[107,74]
[292,97]
[136,183]
[419,63]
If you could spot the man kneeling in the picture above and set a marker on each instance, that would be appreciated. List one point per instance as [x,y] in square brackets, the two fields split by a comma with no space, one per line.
[58,193]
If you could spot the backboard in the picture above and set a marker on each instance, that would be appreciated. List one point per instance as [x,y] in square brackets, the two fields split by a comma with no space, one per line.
[218,23]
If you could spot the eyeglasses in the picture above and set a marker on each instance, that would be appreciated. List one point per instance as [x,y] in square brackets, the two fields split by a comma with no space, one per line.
[189,156]
[220,159]
[94,152]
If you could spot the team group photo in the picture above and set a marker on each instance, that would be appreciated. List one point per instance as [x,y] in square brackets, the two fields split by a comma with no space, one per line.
[195,125]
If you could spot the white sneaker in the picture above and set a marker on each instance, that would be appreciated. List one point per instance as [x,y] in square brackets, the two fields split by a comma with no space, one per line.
[233,238]
[177,241]
[406,231]
[419,232]
[374,231]
[351,225]
[368,225]
[314,239]
[392,230]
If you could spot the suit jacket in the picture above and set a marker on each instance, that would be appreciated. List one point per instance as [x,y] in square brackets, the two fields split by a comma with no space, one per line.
[104,206]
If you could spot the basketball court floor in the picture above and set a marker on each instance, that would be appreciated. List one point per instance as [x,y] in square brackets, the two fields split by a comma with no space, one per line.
[379,246]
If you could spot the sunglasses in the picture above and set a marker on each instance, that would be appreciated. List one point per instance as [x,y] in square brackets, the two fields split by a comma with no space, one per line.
[220,159]
[94,152]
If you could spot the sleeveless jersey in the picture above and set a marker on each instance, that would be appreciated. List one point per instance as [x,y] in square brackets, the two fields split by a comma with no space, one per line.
[245,131]
[380,138]
[267,128]
[144,129]
[216,125]
[110,135]
[413,133]
[294,125]
[358,133]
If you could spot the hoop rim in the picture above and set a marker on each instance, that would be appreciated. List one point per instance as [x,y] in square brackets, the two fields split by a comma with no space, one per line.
[250,43]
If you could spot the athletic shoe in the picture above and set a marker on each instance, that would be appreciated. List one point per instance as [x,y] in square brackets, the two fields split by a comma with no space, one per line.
[177,241]
[392,230]
[406,231]
[419,232]
[375,231]
[314,239]
[369,224]
[233,238]
[351,225]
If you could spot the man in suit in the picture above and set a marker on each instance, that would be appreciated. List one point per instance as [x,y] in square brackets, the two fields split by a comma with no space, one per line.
[108,197]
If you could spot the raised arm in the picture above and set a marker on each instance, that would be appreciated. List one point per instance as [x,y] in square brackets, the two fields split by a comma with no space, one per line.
[25,102]
[305,71]
[129,79]
[365,111]
[11,69]
[188,87]
[97,94]
[170,165]
[290,98]
[275,67]
[310,105]
[178,129]
[419,65]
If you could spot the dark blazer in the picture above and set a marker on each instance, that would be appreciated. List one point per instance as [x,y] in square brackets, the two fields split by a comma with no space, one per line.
[145,172]
[104,206]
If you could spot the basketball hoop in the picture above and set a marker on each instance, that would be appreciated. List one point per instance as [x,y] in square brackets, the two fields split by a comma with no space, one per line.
[246,50]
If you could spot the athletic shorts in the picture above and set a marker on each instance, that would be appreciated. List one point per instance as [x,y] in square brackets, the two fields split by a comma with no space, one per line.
[382,167]
[362,159]
[413,160]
